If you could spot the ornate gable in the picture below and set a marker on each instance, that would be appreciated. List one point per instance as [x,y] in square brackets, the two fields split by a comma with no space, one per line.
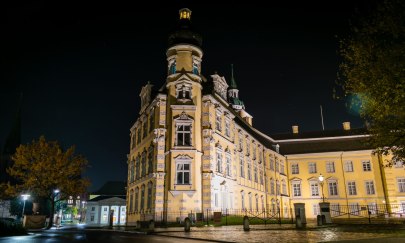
[145,96]
[220,85]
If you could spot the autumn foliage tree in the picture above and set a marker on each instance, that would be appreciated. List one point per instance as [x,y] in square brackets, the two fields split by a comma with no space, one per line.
[43,166]
[373,69]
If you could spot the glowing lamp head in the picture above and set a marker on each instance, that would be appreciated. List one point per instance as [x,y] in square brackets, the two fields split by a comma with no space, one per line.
[56,191]
[185,13]
[25,196]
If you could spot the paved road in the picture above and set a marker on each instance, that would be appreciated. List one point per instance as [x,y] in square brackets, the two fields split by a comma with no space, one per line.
[84,235]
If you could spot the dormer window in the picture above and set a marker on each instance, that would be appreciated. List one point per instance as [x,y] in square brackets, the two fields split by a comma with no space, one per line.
[195,69]
[172,68]
[183,92]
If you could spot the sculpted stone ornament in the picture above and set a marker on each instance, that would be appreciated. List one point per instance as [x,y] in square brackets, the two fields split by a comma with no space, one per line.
[159,135]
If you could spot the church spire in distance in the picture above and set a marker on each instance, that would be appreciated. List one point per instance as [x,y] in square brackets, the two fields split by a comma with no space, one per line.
[233,94]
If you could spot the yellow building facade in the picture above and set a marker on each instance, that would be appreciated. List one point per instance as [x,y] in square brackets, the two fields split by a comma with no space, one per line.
[193,148]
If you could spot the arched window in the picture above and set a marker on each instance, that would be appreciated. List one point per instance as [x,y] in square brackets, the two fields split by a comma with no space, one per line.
[136,199]
[152,120]
[143,162]
[195,68]
[242,196]
[131,199]
[131,171]
[172,69]
[272,191]
[150,160]
[138,167]
[149,203]
[142,198]
[242,166]
[219,161]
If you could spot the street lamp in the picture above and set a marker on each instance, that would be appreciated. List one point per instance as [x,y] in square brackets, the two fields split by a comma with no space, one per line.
[56,192]
[321,179]
[25,198]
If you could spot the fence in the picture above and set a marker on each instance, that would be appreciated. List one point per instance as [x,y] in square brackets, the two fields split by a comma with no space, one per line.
[209,216]
[370,212]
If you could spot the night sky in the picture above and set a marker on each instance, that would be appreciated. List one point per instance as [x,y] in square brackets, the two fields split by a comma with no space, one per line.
[80,66]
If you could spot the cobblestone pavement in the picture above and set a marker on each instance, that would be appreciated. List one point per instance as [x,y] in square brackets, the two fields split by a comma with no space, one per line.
[288,233]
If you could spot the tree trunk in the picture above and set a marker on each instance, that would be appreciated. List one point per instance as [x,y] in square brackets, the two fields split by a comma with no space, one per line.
[50,224]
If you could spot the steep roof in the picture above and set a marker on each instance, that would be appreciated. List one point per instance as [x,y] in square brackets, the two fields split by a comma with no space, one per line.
[323,141]
[100,198]
[112,188]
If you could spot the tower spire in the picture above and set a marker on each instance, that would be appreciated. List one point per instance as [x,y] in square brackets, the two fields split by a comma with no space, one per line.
[233,83]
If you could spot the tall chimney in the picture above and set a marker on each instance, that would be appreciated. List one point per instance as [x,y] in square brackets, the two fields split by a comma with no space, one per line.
[346,126]
[295,129]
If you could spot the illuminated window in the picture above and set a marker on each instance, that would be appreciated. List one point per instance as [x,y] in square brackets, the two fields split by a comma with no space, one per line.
[366,165]
[351,188]
[277,187]
[354,208]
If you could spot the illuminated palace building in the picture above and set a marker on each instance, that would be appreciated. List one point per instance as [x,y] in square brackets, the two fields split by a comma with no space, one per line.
[193,148]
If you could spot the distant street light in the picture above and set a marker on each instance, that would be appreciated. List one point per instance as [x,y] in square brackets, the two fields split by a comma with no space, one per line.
[25,198]
[321,179]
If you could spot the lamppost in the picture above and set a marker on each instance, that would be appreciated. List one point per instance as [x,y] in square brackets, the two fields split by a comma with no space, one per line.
[56,192]
[25,198]
[321,179]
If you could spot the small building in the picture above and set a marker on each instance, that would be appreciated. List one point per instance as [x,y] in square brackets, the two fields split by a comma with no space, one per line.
[109,199]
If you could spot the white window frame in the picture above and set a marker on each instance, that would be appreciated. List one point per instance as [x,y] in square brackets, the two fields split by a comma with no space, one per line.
[351,188]
[314,188]
[295,169]
[401,184]
[296,188]
[228,165]
[218,161]
[312,168]
[184,160]
[218,121]
[370,187]
[227,127]
[349,166]
[334,190]
[330,166]
[366,165]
